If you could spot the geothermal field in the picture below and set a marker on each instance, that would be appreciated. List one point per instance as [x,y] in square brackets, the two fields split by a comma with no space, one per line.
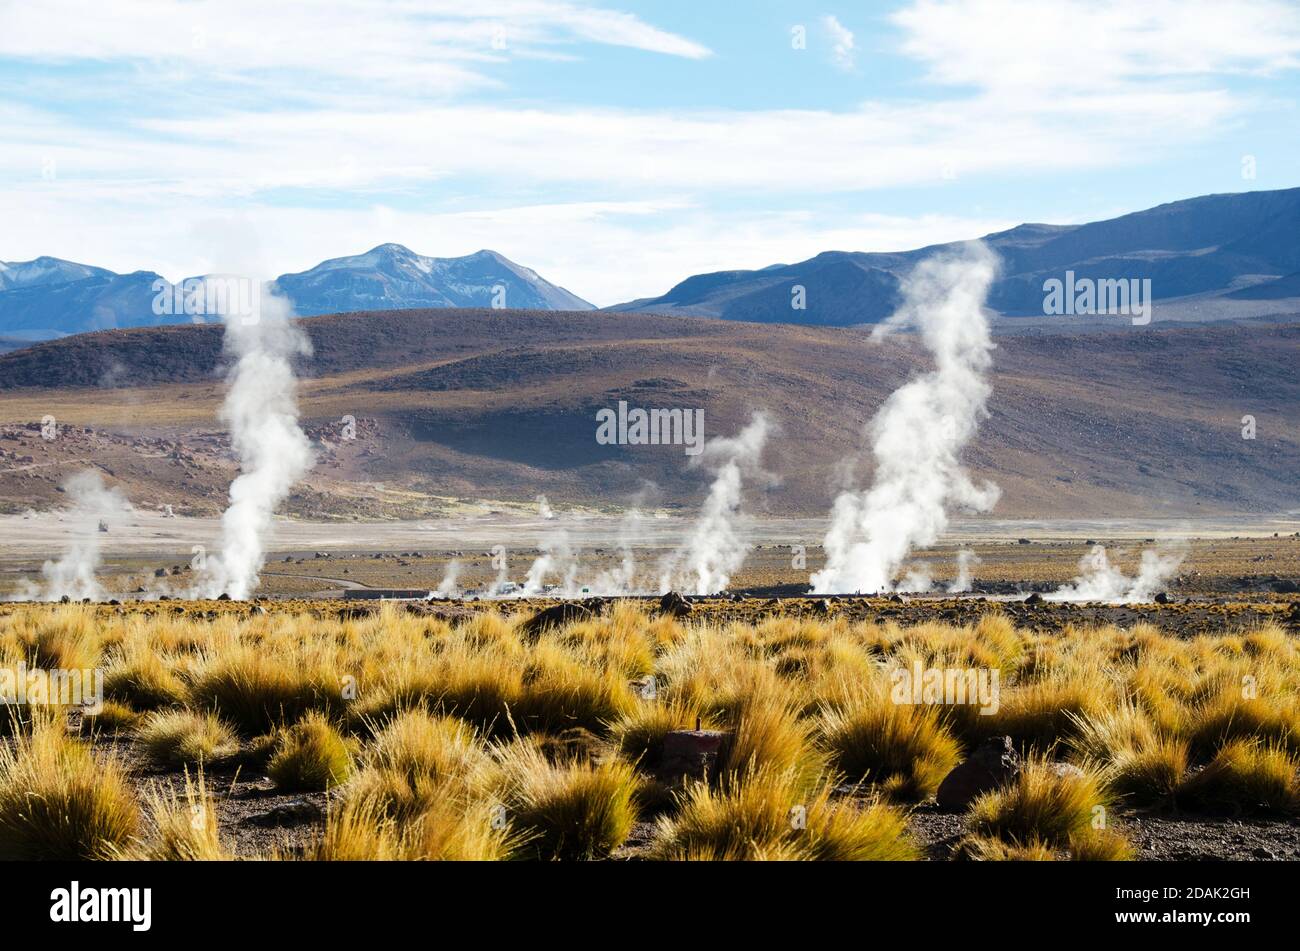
[904,677]
[591,438]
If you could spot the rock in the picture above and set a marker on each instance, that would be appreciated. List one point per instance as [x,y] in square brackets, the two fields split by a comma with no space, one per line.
[161,573]
[567,612]
[994,763]
[674,604]
[1065,771]
[1034,598]
[690,753]
[292,813]
[1162,598]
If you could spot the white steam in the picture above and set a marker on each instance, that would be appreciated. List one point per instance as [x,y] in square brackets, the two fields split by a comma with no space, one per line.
[449,587]
[714,551]
[94,507]
[918,434]
[544,507]
[1099,580]
[558,558]
[621,579]
[966,560]
[917,580]
[261,409]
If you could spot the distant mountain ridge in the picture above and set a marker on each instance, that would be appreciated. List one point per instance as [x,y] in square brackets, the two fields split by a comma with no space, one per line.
[1214,257]
[391,277]
[50,297]
[1211,250]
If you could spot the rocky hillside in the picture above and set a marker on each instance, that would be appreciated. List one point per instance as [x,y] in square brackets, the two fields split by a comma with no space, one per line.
[501,405]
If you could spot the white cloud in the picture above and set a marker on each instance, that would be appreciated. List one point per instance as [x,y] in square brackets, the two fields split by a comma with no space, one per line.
[431,47]
[613,203]
[842,52]
[1046,47]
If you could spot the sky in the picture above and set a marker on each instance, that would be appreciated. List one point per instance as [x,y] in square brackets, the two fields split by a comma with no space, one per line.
[618,146]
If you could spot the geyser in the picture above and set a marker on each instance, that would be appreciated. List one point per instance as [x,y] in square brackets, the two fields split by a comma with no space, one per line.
[919,432]
[714,550]
[261,410]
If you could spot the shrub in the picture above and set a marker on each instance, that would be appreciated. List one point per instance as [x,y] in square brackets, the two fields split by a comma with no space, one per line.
[1245,776]
[57,802]
[562,691]
[574,812]
[64,638]
[769,816]
[144,682]
[175,738]
[1142,765]
[257,691]
[1228,717]
[902,749]
[769,736]
[453,830]
[1048,807]
[1042,712]
[312,756]
[184,830]
[417,761]
[112,717]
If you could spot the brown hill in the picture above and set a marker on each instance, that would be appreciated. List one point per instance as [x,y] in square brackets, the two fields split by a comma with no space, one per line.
[475,404]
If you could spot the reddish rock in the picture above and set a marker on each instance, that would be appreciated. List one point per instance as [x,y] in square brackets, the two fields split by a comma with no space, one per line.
[690,753]
[994,763]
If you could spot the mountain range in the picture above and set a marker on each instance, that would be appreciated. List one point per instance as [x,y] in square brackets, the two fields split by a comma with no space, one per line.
[1231,256]
[1213,257]
[49,297]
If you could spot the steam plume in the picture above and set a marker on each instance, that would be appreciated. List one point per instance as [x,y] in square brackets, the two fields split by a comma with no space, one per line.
[622,579]
[714,551]
[448,588]
[261,409]
[557,557]
[966,560]
[1099,580]
[918,434]
[73,576]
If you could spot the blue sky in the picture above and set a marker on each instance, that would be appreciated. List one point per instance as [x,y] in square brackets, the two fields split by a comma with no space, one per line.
[617,146]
